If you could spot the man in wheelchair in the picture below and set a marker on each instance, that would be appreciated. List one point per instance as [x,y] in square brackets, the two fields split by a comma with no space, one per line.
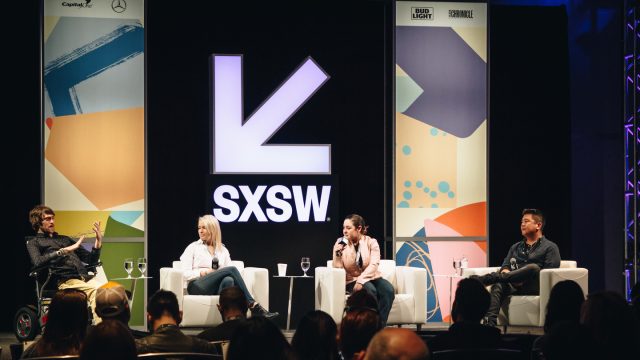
[71,265]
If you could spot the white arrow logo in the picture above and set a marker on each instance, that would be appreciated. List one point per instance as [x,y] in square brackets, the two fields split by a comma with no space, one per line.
[240,148]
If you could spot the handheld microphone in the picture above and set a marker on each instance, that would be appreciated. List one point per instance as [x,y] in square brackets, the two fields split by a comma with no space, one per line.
[344,243]
[215,263]
[513,263]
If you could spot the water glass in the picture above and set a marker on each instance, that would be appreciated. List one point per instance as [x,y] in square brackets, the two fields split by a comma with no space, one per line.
[305,264]
[128,266]
[142,265]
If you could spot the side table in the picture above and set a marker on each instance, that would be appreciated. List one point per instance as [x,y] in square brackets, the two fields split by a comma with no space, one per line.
[291,278]
[451,277]
[134,280]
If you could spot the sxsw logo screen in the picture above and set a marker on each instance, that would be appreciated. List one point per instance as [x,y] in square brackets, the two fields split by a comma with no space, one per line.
[239,147]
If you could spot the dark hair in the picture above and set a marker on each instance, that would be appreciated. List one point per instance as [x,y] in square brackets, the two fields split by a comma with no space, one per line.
[258,338]
[164,302]
[362,298]
[358,326]
[611,322]
[68,318]
[564,304]
[233,297]
[536,215]
[357,221]
[570,340]
[36,215]
[110,339]
[471,302]
[315,337]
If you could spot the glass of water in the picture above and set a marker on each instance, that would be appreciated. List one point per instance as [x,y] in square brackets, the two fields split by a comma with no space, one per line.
[128,266]
[305,264]
[142,265]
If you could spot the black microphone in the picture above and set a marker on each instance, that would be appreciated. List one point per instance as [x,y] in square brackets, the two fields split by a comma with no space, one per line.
[513,263]
[342,242]
[215,263]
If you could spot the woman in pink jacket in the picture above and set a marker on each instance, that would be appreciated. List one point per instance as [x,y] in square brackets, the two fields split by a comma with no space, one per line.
[359,255]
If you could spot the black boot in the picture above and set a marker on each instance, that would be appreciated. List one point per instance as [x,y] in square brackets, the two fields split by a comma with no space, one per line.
[259,310]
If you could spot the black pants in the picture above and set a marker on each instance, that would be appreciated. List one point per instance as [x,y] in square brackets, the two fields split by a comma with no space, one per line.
[523,281]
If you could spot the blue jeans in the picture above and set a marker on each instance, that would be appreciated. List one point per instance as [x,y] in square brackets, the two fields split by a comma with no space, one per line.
[214,282]
[383,291]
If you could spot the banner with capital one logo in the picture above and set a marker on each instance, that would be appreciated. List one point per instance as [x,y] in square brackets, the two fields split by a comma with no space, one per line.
[440,135]
[93,125]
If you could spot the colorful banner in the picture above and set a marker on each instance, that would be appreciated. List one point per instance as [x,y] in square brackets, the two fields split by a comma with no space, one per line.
[440,167]
[93,126]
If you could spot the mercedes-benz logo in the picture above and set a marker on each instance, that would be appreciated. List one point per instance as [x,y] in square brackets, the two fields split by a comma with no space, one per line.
[119,5]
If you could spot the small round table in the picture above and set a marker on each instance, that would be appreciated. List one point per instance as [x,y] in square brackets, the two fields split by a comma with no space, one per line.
[291,278]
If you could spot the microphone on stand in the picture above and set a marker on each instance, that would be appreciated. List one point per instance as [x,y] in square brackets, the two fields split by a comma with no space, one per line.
[344,243]
[513,264]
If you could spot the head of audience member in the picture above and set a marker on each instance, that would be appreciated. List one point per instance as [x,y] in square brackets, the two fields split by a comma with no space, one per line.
[258,338]
[396,343]
[362,298]
[610,320]
[316,337]
[67,321]
[358,326]
[565,302]
[471,301]
[42,219]
[163,308]
[232,303]
[112,302]
[110,339]
[567,339]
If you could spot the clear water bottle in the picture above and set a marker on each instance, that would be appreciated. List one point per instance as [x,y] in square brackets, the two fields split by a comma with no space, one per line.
[464,263]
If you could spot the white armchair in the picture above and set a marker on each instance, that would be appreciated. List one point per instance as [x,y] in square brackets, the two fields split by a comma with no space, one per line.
[201,310]
[530,310]
[410,284]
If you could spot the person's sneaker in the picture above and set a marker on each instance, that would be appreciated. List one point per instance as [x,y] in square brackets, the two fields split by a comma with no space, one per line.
[259,310]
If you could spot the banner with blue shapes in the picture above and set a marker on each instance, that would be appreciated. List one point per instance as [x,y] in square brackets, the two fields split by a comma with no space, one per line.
[416,254]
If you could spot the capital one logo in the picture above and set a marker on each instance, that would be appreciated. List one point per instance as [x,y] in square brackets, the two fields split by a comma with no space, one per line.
[239,146]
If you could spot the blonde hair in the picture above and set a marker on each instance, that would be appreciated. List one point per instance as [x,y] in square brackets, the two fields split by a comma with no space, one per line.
[213,226]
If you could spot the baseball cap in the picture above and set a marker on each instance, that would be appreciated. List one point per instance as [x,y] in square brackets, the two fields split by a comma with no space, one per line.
[111,300]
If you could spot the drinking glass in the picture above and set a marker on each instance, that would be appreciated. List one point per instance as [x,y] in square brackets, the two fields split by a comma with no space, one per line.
[142,265]
[305,264]
[457,264]
[128,266]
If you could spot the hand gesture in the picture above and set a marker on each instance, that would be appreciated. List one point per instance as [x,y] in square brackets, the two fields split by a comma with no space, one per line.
[72,248]
[96,230]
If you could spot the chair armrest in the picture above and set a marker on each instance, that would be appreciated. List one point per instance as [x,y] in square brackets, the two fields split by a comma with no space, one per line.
[330,291]
[550,277]
[479,271]
[173,280]
[257,281]
[413,280]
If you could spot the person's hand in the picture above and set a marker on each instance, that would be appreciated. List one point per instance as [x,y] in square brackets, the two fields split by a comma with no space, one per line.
[96,230]
[72,248]
[505,270]
[357,287]
[204,272]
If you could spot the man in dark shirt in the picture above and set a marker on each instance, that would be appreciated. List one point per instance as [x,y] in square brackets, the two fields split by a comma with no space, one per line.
[520,270]
[164,315]
[233,308]
[70,262]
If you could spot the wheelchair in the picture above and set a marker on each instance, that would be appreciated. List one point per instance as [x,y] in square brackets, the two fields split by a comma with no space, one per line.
[30,320]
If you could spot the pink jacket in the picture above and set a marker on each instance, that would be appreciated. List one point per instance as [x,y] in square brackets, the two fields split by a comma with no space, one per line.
[370,253]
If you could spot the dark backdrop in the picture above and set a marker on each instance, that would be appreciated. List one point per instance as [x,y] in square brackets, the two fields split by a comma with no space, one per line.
[528,130]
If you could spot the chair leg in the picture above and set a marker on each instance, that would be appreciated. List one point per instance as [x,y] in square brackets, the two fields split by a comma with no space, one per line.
[419,327]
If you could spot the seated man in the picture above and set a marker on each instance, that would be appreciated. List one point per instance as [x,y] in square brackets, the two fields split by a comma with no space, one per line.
[112,302]
[233,308]
[520,270]
[163,316]
[63,254]
[470,304]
